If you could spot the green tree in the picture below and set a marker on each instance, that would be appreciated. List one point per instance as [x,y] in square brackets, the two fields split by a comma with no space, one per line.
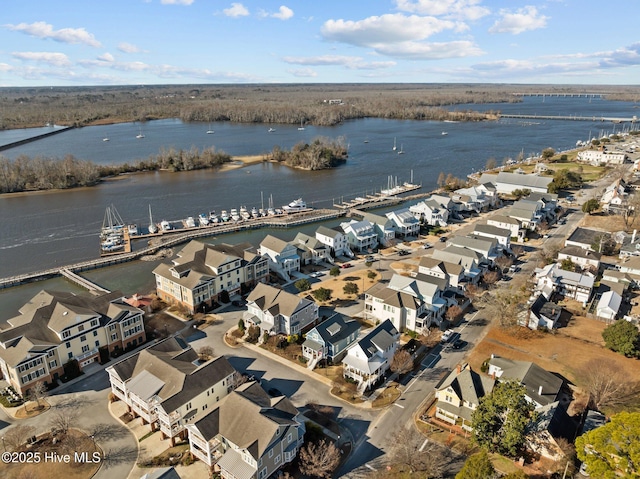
[335,271]
[350,288]
[590,206]
[477,466]
[548,153]
[241,325]
[567,265]
[500,419]
[302,284]
[612,450]
[322,294]
[372,275]
[622,337]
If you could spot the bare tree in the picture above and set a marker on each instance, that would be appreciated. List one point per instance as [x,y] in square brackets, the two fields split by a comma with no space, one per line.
[402,362]
[607,385]
[38,392]
[453,313]
[18,435]
[319,459]
[491,277]
[503,262]
[410,453]
[503,306]
[473,292]
[517,250]
[62,420]
[205,353]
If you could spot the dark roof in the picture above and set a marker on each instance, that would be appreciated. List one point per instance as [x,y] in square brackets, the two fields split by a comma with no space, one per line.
[542,307]
[337,328]
[532,377]
[587,236]
[580,253]
[468,385]
[553,418]
[381,337]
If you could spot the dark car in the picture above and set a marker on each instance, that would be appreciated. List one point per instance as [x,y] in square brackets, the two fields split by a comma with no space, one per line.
[443,239]
[459,344]
[273,392]
[403,252]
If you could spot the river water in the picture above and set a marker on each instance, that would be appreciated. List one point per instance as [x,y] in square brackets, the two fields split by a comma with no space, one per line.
[45,230]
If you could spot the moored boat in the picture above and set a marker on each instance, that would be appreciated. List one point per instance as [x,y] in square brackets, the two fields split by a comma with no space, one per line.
[203,219]
[165,225]
[295,205]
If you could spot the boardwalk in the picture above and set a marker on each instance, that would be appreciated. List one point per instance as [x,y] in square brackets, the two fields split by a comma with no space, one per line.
[83,282]
[573,117]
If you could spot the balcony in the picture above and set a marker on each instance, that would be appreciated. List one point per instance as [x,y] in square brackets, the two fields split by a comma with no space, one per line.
[86,355]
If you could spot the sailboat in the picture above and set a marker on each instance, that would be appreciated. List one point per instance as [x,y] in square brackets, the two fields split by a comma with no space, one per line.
[401,151]
[210,131]
[140,135]
[152,226]
[301,127]
[105,139]
[394,144]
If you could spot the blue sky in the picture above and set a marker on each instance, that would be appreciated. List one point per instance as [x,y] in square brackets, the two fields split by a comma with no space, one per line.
[112,42]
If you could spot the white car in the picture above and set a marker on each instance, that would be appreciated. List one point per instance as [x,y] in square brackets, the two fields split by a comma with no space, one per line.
[446,336]
[427,245]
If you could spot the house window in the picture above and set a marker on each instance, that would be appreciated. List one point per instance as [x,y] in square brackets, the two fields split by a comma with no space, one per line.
[188,406]
[263,473]
[277,459]
[97,344]
[114,336]
[68,344]
[289,437]
[271,453]
[53,364]
[95,333]
[81,327]
[70,355]
[205,407]
[85,348]
[83,338]
[66,334]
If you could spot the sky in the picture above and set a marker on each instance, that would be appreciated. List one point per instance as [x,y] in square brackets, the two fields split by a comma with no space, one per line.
[132,42]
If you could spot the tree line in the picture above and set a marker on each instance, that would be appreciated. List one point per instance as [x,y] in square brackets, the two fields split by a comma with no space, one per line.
[322,153]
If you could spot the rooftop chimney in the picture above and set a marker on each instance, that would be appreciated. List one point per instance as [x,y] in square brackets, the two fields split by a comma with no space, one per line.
[540,390]
[633,237]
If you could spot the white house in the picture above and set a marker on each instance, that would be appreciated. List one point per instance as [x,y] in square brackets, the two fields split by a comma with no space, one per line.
[552,278]
[283,257]
[275,311]
[507,183]
[528,213]
[311,250]
[487,248]
[360,235]
[335,240]
[453,273]
[430,212]
[368,359]
[501,235]
[608,306]
[404,223]
[598,157]
[542,314]
[468,259]
[584,258]
[505,222]
[383,227]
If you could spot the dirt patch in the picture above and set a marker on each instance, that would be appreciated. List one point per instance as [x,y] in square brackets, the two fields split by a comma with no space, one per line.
[604,222]
[161,325]
[31,409]
[336,285]
[559,353]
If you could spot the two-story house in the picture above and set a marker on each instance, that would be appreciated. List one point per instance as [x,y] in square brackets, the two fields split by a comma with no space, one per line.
[553,279]
[507,223]
[330,339]
[54,328]
[430,212]
[501,235]
[453,273]
[583,258]
[468,259]
[200,272]
[311,250]
[528,213]
[248,435]
[167,385]
[361,235]
[487,248]
[335,240]
[459,395]
[383,227]
[404,223]
[283,257]
[275,311]
[370,357]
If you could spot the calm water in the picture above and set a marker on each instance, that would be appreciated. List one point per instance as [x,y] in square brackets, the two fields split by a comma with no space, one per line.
[44,230]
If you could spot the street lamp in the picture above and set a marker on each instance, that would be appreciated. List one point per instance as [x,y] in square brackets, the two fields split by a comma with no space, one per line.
[3,445]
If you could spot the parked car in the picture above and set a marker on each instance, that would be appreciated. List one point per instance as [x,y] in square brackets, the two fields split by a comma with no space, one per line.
[427,245]
[446,336]
[443,239]
[369,259]
[345,265]
[403,252]
[459,344]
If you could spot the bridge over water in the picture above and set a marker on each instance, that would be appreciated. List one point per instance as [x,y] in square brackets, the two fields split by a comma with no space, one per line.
[592,94]
[611,119]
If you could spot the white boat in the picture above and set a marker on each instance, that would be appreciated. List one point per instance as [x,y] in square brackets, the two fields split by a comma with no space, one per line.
[244,213]
[210,131]
[203,220]
[394,144]
[112,222]
[224,216]
[140,135]
[271,130]
[255,213]
[234,214]
[110,248]
[152,226]
[105,139]
[295,205]
[401,151]
[301,127]
[190,222]
[133,229]
[444,133]
[165,225]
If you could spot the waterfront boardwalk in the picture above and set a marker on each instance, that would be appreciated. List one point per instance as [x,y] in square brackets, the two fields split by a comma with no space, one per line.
[572,117]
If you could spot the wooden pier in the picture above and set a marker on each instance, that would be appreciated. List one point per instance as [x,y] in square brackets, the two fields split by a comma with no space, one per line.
[83,282]
[378,200]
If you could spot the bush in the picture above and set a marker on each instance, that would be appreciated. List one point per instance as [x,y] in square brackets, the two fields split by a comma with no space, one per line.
[253,334]
[302,285]
[322,294]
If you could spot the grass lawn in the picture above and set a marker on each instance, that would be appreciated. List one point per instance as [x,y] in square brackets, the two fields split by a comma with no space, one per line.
[387,397]
[589,172]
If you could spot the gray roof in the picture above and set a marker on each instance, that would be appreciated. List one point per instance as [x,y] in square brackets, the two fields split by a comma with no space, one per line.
[580,253]
[380,338]
[276,301]
[162,473]
[330,232]
[531,376]
[531,181]
[337,328]
[492,230]
[468,385]
[274,244]
[587,236]
[504,219]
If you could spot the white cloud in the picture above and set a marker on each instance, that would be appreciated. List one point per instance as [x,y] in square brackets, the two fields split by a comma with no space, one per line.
[303,73]
[236,10]
[64,35]
[355,63]
[106,57]
[463,9]
[431,50]
[50,58]
[176,2]
[284,13]
[389,28]
[524,19]
[128,47]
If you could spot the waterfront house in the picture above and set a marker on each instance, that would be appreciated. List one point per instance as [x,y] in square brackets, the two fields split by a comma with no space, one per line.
[460,394]
[248,435]
[507,183]
[553,279]
[330,339]
[275,311]
[54,328]
[382,226]
[602,156]
[404,223]
[200,272]
[167,385]
[311,250]
[430,212]
[410,303]
[501,235]
[370,357]
[453,273]
[474,198]
[361,235]
[335,240]
[283,257]
[505,222]
[541,387]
